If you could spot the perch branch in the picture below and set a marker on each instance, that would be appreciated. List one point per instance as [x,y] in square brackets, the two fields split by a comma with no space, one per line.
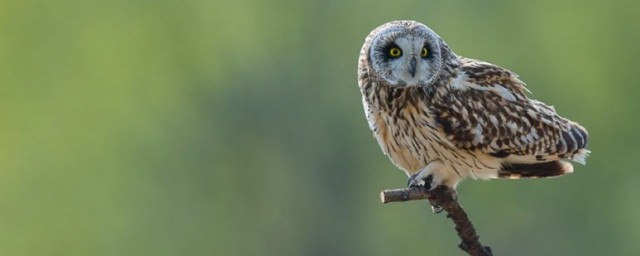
[445,198]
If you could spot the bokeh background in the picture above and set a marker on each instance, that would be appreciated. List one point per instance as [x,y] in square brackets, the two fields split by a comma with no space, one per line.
[236,128]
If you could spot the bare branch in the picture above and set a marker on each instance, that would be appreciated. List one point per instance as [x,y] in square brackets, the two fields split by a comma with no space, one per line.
[445,198]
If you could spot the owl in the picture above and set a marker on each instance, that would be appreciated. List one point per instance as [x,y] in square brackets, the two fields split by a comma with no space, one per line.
[442,118]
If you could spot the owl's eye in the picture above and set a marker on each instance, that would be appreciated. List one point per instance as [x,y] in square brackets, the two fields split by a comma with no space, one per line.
[424,52]
[395,52]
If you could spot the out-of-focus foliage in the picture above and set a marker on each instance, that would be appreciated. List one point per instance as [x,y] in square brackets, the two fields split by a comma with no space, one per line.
[236,128]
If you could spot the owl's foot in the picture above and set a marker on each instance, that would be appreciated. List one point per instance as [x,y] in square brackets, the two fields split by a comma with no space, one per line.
[420,179]
[436,209]
[415,181]
[425,177]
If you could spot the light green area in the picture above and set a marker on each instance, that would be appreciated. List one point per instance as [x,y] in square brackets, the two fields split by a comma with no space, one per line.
[236,128]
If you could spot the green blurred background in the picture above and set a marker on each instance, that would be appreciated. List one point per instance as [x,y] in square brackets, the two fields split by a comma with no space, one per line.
[236,128]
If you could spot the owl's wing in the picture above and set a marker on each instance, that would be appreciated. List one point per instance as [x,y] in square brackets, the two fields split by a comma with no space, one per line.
[485,109]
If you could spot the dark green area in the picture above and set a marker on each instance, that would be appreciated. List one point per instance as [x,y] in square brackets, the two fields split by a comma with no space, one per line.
[236,128]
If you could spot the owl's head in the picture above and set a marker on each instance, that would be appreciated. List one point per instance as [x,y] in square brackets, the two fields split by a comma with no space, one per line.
[406,53]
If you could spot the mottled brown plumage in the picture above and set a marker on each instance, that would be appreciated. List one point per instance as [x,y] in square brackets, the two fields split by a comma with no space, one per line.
[434,113]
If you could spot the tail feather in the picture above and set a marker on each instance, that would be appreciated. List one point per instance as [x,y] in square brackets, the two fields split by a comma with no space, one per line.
[581,156]
[534,170]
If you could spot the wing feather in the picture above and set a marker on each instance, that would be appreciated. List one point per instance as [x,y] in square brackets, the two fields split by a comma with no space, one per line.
[486,109]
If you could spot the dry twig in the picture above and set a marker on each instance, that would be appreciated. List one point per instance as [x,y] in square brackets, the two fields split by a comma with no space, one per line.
[445,198]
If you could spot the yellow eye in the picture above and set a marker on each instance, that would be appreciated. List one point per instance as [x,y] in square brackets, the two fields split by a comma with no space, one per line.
[395,52]
[425,52]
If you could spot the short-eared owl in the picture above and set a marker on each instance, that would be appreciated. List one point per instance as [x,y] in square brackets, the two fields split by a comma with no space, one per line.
[443,118]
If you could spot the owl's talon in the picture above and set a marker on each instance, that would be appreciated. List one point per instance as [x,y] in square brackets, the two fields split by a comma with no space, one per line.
[415,180]
[436,209]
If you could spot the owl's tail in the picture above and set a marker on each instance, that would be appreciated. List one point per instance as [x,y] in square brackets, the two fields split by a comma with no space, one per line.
[535,170]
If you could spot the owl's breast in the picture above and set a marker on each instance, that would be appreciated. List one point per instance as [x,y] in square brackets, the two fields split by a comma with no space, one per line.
[406,135]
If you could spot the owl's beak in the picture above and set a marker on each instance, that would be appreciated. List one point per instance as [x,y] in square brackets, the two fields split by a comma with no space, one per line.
[412,67]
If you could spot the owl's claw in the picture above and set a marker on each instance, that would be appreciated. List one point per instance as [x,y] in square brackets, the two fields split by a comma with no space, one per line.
[417,179]
[425,177]
[413,180]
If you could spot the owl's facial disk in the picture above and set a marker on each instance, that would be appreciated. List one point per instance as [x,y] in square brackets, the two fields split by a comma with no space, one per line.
[406,60]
